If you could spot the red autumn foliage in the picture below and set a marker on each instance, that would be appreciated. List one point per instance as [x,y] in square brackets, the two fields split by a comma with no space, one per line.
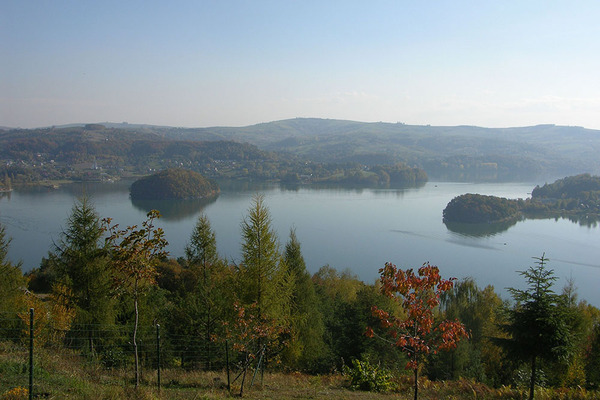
[417,333]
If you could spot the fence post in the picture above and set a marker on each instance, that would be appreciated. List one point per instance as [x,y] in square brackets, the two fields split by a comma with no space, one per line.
[31,354]
[227,361]
[158,354]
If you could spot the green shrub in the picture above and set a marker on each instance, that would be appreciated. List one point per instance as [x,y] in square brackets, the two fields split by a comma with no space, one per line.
[365,376]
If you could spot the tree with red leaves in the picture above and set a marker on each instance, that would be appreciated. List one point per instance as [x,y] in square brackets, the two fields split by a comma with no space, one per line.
[253,335]
[416,332]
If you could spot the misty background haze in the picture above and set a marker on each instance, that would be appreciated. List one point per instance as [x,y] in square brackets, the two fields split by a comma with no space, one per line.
[189,63]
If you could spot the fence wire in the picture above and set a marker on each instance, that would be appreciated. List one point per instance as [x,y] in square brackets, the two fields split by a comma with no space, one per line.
[110,345]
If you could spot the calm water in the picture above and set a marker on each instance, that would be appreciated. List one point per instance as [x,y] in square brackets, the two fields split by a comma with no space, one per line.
[345,228]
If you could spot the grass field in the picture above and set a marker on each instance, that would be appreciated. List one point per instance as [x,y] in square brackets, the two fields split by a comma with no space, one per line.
[60,374]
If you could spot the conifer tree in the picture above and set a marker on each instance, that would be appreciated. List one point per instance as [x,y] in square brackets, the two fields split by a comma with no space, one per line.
[12,287]
[266,280]
[306,319]
[201,251]
[82,265]
[537,324]
[206,302]
[264,290]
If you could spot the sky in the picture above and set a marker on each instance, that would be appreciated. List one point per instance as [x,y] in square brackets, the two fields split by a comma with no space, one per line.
[208,63]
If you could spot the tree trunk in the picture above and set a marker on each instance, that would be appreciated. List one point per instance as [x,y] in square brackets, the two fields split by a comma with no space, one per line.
[416,383]
[532,382]
[135,327]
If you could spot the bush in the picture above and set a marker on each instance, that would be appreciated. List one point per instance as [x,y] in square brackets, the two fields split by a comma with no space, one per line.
[365,376]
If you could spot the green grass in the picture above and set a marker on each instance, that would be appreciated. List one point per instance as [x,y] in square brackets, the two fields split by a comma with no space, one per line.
[62,374]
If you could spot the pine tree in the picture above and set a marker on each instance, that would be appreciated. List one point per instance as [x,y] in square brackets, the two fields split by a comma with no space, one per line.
[306,319]
[537,324]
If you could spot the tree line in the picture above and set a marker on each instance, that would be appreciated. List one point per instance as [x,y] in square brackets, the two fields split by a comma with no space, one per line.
[576,197]
[38,155]
[275,313]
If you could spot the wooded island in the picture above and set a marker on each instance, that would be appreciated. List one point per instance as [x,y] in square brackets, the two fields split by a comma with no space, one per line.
[174,184]
[574,197]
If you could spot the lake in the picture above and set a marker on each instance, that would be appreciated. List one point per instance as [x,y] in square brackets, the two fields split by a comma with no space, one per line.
[358,229]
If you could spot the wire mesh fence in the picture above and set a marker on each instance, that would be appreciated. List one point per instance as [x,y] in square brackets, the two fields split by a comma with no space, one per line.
[112,346]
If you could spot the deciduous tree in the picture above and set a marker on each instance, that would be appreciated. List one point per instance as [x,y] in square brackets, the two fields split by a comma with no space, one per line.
[135,253]
[417,332]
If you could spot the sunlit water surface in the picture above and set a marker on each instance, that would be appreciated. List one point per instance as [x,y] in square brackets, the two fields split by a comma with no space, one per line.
[358,229]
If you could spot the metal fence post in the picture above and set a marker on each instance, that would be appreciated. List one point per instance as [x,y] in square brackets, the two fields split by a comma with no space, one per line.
[31,354]
[158,354]
[227,361]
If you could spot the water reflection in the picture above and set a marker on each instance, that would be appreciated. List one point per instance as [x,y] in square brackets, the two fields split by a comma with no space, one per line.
[76,189]
[480,230]
[174,210]
[247,186]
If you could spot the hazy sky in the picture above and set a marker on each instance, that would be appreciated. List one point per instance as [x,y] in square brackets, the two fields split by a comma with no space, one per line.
[204,63]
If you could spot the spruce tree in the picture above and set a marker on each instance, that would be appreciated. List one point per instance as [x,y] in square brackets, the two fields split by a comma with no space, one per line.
[205,304]
[82,265]
[537,324]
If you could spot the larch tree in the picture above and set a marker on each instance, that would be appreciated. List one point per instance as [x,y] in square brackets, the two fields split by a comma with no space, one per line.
[265,277]
[264,287]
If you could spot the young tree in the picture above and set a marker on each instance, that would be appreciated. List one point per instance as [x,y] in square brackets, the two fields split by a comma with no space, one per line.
[201,250]
[83,266]
[205,304]
[307,325]
[479,358]
[536,323]
[417,333]
[12,289]
[265,277]
[252,334]
[135,253]
[264,282]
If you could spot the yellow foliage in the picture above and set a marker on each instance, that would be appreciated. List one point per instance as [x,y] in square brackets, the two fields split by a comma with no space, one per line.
[52,316]
[17,393]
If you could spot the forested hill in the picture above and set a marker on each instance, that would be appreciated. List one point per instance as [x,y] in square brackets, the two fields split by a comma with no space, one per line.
[96,152]
[453,152]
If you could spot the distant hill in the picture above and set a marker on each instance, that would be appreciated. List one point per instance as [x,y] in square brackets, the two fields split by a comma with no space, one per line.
[444,152]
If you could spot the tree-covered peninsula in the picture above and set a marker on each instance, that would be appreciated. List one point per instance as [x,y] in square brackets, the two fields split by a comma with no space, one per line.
[478,208]
[575,197]
[173,184]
